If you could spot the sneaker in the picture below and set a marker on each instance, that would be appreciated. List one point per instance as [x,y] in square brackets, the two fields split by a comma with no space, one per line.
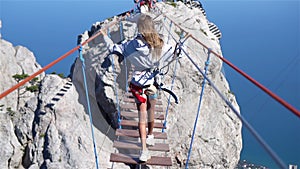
[150,140]
[145,156]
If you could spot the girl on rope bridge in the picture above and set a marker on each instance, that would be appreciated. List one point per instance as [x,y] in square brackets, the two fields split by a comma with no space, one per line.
[147,52]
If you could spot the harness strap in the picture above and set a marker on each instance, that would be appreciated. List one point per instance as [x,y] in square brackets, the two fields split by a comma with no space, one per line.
[137,92]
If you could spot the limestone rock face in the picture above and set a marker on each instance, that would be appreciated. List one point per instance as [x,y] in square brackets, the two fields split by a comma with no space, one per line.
[15,60]
[61,137]
[218,139]
[50,128]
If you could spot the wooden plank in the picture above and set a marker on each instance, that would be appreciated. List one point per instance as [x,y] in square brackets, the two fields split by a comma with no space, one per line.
[135,124]
[132,100]
[135,133]
[128,94]
[128,106]
[121,158]
[133,107]
[135,115]
[137,146]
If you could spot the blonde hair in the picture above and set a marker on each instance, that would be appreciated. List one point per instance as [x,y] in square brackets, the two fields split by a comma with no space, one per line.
[147,29]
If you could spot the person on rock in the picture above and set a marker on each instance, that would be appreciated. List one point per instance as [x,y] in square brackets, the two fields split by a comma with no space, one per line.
[146,52]
[144,6]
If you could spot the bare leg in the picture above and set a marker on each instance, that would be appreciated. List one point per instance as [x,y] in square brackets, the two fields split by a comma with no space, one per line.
[151,110]
[142,109]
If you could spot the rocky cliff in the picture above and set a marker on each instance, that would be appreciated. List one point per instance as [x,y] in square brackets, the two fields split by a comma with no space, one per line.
[49,128]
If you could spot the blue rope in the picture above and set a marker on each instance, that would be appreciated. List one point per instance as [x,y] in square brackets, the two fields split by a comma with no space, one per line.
[126,74]
[172,85]
[125,63]
[116,90]
[199,106]
[169,31]
[108,33]
[169,99]
[88,105]
[244,121]
[164,26]
[115,86]
[121,31]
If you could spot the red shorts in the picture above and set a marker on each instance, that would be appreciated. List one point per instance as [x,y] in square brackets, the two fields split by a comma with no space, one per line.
[141,93]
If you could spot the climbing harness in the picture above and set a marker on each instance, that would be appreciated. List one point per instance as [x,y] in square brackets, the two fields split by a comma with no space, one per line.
[139,91]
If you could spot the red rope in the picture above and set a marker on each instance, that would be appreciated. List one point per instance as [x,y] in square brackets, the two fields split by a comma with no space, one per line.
[269,92]
[37,73]
[5,93]
[262,87]
[259,85]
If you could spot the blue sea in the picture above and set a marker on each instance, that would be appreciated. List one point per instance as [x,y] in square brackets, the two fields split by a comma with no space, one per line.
[260,37]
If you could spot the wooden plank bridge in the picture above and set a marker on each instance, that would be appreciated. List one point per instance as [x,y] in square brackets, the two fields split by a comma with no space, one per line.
[128,143]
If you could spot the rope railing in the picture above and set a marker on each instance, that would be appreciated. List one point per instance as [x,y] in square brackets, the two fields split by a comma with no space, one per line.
[79,47]
[250,128]
[256,83]
[181,41]
[244,121]
[198,111]
[115,84]
[173,81]
[88,105]
[23,82]
[116,92]
[125,62]
[170,27]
